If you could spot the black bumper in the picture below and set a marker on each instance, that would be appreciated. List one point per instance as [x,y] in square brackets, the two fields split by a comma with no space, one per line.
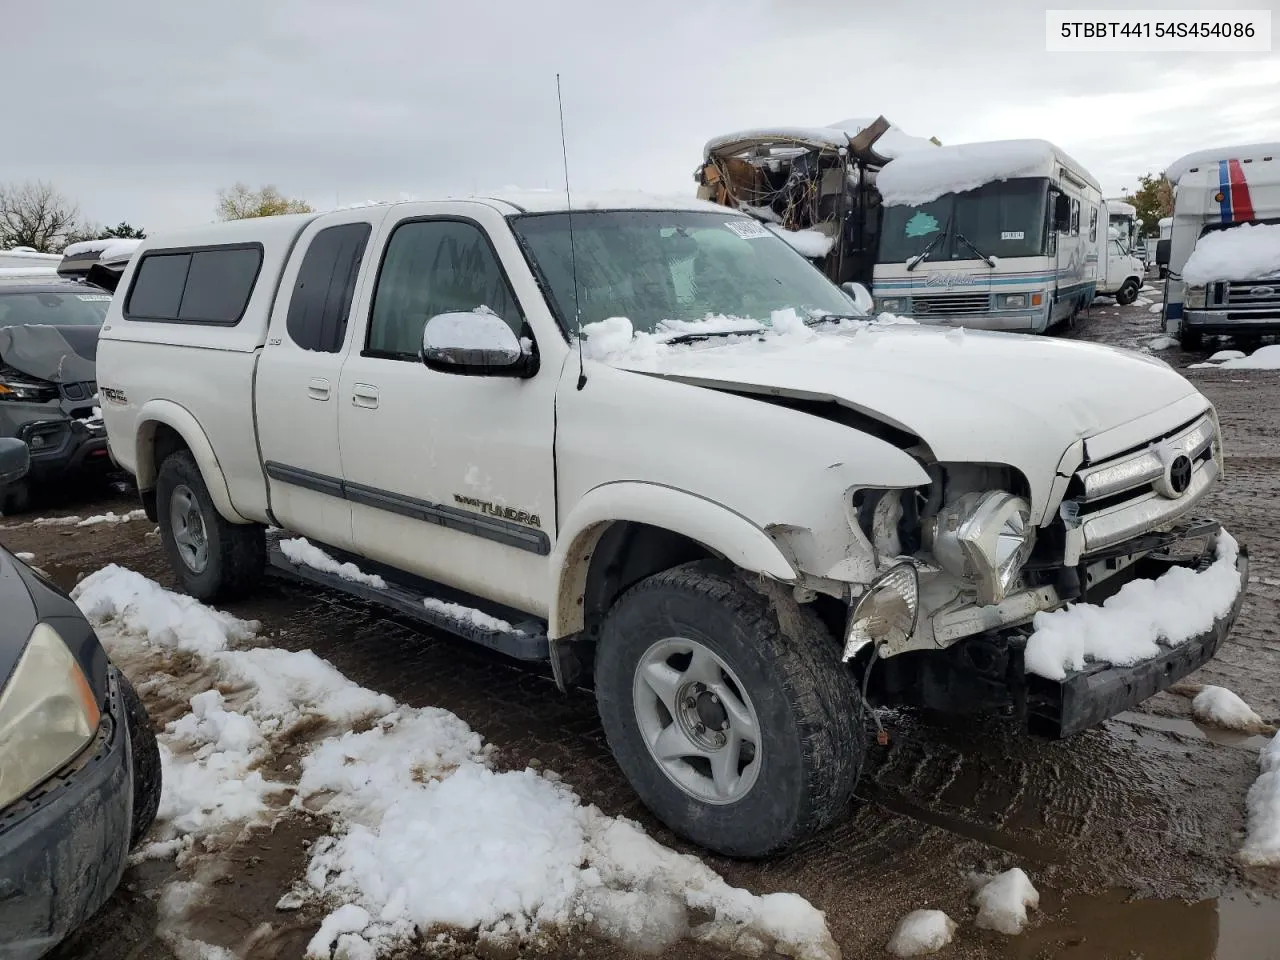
[63,847]
[61,447]
[1084,699]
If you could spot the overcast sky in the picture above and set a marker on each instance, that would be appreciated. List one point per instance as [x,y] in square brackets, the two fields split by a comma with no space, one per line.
[141,109]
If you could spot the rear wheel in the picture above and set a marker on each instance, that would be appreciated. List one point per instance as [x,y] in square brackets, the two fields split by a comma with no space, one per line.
[213,558]
[1128,292]
[728,710]
[146,762]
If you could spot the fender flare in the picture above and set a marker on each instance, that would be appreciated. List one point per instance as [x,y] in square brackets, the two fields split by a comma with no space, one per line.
[180,419]
[713,525]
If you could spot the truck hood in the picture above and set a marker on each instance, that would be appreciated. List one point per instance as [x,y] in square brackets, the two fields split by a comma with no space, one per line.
[57,354]
[971,396]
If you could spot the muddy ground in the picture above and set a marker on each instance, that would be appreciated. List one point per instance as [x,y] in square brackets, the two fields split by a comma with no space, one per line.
[1129,830]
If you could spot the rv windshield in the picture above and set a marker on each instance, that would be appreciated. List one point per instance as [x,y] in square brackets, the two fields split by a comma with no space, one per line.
[1003,219]
[656,265]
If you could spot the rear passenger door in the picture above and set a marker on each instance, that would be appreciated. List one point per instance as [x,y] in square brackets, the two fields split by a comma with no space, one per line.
[299,373]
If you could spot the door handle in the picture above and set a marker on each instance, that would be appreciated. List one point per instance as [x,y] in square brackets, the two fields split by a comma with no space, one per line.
[318,389]
[364,395]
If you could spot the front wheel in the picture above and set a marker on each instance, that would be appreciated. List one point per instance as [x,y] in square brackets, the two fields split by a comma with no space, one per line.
[1128,292]
[729,710]
[1190,339]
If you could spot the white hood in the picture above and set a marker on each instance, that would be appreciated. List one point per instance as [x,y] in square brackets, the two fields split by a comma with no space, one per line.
[972,396]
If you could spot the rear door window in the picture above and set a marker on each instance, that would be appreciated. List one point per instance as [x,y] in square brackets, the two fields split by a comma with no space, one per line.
[204,286]
[157,289]
[325,287]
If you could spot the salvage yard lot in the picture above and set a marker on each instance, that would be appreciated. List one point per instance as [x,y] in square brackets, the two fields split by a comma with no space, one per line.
[1129,832]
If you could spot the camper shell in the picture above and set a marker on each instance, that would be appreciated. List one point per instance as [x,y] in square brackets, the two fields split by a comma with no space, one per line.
[1004,235]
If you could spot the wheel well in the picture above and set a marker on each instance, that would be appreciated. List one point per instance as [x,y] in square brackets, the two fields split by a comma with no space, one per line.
[160,445]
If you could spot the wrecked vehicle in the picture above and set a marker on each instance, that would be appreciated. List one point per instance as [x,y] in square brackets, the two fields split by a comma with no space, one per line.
[79,764]
[815,187]
[648,443]
[48,391]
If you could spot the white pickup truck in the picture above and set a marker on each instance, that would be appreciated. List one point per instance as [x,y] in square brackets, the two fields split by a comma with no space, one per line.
[742,511]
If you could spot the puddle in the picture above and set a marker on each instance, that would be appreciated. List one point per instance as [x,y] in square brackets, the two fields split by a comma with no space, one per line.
[1111,926]
[1194,731]
[66,577]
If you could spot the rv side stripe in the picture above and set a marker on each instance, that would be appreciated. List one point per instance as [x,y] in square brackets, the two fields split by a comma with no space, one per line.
[1224,187]
[1241,202]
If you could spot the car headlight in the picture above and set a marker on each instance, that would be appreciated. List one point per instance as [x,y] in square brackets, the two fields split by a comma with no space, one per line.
[48,713]
[985,538]
[891,304]
[1197,296]
[16,387]
[1012,301]
[886,613]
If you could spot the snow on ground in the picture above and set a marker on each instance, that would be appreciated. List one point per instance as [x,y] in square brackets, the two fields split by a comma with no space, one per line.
[425,831]
[1142,302]
[920,933]
[1264,358]
[1221,707]
[809,243]
[1103,301]
[1250,251]
[1002,902]
[1262,839]
[109,517]
[925,175]
[25,557]
[1162,343]
[1155,308]
[304,552]
[1129,626]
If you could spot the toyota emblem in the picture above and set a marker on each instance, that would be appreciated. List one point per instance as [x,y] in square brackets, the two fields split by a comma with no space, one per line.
[1180,474]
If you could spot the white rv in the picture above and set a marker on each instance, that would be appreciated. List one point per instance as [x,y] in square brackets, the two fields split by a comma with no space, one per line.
[1223,251]
[1005,235]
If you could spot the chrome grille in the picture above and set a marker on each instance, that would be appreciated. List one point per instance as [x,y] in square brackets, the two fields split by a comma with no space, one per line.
[1261,293]
[951,304]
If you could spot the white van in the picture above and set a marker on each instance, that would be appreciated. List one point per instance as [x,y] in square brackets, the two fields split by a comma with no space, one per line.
[1005,235]
[1120,274]
[1223,252]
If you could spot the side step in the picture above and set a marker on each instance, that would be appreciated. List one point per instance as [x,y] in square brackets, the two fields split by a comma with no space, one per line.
[524,641]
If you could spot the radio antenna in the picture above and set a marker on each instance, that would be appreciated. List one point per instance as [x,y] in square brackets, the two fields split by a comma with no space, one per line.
[573,252]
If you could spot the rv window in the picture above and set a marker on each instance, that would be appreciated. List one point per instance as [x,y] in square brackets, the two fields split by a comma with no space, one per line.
[325,286]
[1075,218]
[1093,223]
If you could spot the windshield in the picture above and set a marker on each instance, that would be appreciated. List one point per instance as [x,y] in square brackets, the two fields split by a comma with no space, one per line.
[652,266]
[1004,219]
[79,309]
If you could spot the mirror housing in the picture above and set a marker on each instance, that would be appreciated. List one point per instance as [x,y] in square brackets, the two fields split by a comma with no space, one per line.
[860,296]
[1062,213]
[1162,252]
[477,344]
[15,460]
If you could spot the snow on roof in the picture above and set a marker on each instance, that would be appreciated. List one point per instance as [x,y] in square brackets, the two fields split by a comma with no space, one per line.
[553,201]
[1200,158]
[923,176]
[109,248]
[1250,251]
[893,143]
[1121,207]
[24,256]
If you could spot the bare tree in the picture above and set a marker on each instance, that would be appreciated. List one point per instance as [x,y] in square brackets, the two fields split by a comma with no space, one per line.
[241,202]
[36,215]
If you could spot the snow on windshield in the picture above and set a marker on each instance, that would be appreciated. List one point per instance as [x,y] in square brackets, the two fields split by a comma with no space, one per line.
[808,243]
[926,175]
[1250,251]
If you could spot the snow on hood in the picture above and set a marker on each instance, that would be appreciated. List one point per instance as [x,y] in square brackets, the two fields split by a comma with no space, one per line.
[972,396]
[926,175]
[1250,251]
[57,354]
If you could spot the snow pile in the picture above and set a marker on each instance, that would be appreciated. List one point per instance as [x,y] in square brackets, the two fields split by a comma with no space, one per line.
[1221,707]
[1003,900]
[928,174]
[304,553]
[458,612]
[1262,840]
[1162,343]
[813,244]
[1250,251]
[1179,604]
[921,932]
[110,517]
[1264,358]
[1155,308]
[56,521]
[25,557]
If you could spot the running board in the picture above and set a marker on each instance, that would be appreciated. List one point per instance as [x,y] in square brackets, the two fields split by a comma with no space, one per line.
[524,641]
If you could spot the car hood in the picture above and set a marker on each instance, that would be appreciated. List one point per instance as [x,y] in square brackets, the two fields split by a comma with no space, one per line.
[57,354]
[971,396]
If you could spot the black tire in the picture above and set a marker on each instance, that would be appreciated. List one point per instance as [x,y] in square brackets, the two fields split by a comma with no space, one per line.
[1128,292]
[237,553]
[146,762]
[15,498]
[808,703]
[1190,339]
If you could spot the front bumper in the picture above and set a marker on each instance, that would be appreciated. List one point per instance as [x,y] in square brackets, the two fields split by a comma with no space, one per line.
[1009,321]
[1233,320]
[1085,698]
[63,847]
[62,446]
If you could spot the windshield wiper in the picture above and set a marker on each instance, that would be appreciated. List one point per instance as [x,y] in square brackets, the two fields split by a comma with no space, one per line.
[920,257]
[836,317]
[968,243]
[695,337]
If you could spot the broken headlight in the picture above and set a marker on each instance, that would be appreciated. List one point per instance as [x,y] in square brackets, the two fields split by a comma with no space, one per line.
[886,613]
[984,538]
[15,386]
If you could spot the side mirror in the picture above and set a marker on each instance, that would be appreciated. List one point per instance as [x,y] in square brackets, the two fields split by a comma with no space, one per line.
[1062,213]
[15,459]
[860,296]
[473,344]
[1162,252]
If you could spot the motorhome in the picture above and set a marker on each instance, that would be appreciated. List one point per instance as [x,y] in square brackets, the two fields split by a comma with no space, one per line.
[814,187]
[1163,232]
[1004,235]
[1222,256]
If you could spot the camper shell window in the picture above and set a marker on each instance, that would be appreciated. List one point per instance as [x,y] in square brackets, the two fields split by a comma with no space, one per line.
[1006,218]
[200,285]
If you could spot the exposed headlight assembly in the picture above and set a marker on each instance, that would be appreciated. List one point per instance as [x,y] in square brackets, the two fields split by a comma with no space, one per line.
[886,613]
[1197,296]
[984,538]
[48,713]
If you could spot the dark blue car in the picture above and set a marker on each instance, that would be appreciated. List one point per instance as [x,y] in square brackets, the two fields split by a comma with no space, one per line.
[79,764]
